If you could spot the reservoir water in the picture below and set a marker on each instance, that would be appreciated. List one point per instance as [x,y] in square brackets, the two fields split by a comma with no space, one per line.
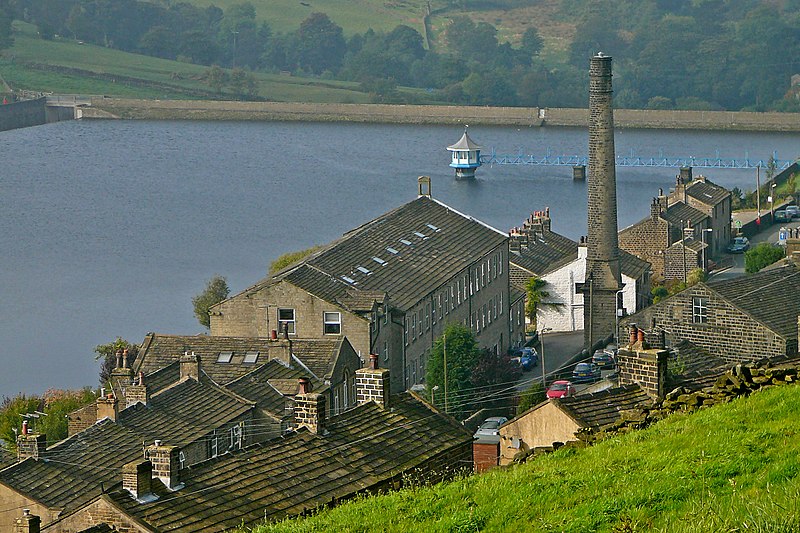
[108,228]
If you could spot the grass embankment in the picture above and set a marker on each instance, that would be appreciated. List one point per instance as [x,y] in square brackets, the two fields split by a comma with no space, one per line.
[67,67]
[733,467]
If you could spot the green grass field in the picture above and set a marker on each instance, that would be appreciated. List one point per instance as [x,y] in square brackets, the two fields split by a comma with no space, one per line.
[733,467]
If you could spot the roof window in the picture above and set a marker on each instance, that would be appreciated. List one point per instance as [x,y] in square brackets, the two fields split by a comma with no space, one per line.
[392,250]
[251,358]
[379,261]
[224,357]
[407,243]
[349,280]
[434,228]
[420,235]
[364,270]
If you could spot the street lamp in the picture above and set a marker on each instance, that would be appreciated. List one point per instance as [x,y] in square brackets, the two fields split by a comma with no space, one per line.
[541,345]
[703,240]
[617,314]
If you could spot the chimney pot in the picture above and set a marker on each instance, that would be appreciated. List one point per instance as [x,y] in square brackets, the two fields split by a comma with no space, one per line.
[373,361]
[305,385]
[273,334]
[24,427]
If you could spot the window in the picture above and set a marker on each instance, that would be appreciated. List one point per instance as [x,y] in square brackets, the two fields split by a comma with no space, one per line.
[466,283]
[405,332]
[286,319]
[458,292]
[483,275]
[332,323]
[500,264]
[182,459]
[236,436]
[385,314]
[214,451]
[427,317]
[500,304]
[489,314]
[699,310]
[419,322]
[446,301]
[452,297]
[251,358]
[336,400]
[414,372]
[433,311]
[494,266]
[413,326]
[385,350]
[224,357]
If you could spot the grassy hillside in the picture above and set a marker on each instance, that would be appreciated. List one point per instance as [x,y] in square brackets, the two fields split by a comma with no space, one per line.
[66,66]
[734,467]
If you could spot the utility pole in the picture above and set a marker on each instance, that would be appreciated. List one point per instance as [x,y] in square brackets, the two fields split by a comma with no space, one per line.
[235,33]
[758,194]
[444,351]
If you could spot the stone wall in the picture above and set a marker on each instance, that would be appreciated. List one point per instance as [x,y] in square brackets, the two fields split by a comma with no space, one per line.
[23,114]
[418,114]
[679,262]
[97,512]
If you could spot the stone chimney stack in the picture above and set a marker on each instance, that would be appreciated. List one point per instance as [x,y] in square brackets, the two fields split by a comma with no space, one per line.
[281,349]
[190,366]
[603,277]
[309,408]
[122,373]
[372,384]
[655,209]
[30,444]
[136,478]
[107,407]
[28,523]
[137,392]
[165,463]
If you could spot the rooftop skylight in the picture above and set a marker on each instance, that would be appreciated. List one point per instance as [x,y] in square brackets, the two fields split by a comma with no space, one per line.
[224,357]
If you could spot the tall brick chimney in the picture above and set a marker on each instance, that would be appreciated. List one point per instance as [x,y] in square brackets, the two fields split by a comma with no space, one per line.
[107,407]
[309,408]
[27,523]
[190,366]
[165,463]
[136,478]
[603,278]
[372,384]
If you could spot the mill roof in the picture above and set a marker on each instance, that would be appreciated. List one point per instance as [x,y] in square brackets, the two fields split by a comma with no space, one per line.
[769,296]
[707,192]
[406,254]
[160,353]
[600,408]
[364,447]
[679,213]
[464,143]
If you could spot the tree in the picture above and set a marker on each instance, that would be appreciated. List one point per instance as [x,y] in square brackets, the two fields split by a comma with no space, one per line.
[533,395]
[461,349]
[290,258]
[494,374]
[216,290]
[532,42]
[243,83]
[6,16]
[108,354]
[320,44]
[216,78]
[534,294]
[11,418]
[50,419]
[762,255]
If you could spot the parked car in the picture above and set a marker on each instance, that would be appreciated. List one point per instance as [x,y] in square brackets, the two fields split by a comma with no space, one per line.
[528,359]
[560,389]
[781,216]
[586,373]
[793,211]
[490,426]
[739,245]
[604,359]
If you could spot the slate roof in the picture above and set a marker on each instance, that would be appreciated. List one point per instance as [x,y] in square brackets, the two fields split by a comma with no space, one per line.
[679,213]
[549,252]
[181,414]
[694,245]
[601,408]
[769,296]
[73,469]
[269,384]
[6,458]
[301,471]
[160,351]
[707,192]
[432,243]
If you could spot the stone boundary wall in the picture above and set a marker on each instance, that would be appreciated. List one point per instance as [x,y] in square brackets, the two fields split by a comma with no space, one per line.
[419,114]
[23,114]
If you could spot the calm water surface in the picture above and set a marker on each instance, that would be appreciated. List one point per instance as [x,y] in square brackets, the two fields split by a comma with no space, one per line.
[109,228]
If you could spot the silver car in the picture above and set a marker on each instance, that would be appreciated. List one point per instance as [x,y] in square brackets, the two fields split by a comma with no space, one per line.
[491,426]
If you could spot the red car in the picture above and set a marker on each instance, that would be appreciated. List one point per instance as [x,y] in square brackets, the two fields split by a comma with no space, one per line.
[560,389]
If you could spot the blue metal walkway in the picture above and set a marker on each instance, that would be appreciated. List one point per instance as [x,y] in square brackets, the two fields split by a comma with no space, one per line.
[632,160]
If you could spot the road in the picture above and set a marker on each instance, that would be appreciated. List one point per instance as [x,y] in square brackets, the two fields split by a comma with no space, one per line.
[557,351]
[769,234]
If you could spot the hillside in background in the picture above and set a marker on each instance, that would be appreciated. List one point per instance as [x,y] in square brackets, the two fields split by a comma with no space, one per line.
[669,54]
[733,467]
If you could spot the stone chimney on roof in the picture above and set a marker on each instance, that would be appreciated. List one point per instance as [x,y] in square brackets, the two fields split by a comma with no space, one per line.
[281,349]
[165,463]
[655,209]
[30,444]
[123,371]
[27,523]
[372,384]
[309,408]
[137,392]
[107,407]
[190,366]
[642,364]
[136,478]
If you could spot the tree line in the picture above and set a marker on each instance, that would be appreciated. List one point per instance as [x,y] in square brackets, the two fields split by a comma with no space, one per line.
[686,54]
